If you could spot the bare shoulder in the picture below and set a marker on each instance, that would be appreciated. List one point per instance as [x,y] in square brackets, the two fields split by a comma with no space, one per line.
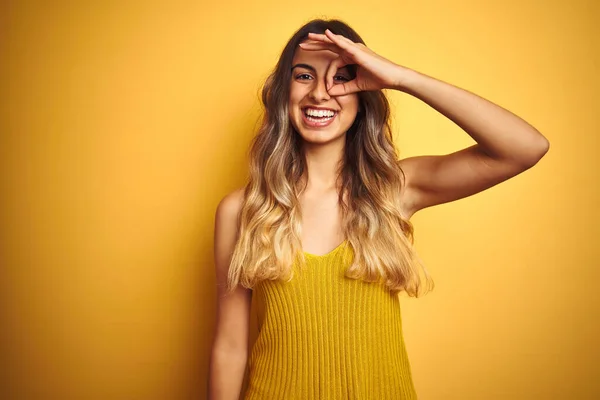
[231,203]
[226,235]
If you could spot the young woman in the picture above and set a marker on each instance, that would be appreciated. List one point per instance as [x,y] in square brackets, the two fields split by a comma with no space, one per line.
[320,236]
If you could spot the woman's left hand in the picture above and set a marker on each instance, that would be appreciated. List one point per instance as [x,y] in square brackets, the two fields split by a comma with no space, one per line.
[373,72]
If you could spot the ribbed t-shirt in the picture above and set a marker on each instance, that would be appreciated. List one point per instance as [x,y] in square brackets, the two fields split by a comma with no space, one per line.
[324,336]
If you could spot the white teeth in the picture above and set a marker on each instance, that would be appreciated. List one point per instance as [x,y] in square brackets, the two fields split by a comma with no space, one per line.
[319,113]
[320,119]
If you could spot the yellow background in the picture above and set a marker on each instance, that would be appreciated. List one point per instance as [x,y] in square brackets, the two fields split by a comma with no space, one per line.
[123,125]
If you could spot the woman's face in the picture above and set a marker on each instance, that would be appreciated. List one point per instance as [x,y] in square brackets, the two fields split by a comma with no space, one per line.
[317,116]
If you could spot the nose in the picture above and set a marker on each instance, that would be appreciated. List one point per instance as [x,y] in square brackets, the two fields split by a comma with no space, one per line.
[319,91]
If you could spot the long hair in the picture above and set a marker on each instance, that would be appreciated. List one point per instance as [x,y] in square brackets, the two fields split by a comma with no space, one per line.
[269,222]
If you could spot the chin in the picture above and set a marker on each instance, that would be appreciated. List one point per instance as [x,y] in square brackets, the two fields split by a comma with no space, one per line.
[321,137]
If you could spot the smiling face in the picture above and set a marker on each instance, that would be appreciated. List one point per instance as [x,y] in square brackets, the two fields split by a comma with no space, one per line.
[317,116]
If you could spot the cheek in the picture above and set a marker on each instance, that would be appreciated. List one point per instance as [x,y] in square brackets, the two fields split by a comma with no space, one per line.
[350,103]
[294,100]
[351,109]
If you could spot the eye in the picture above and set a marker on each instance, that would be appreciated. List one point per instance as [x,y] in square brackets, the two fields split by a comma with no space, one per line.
[301,77]
[341,76]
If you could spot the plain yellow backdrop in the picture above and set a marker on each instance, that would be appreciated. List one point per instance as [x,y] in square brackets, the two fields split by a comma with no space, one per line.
[123,125]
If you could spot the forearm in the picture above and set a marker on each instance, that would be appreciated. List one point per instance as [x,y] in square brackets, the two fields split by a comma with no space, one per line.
[500,133]
[226,375]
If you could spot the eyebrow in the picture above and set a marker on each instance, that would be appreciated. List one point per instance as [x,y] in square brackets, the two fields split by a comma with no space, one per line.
[311,68]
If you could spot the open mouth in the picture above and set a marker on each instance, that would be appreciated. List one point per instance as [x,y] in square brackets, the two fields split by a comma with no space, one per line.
[318,117]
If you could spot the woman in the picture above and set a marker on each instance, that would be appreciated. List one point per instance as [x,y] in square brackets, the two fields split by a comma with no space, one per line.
[321,233]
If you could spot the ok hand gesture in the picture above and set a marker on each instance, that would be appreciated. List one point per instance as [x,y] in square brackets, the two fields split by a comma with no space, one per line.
[373,71]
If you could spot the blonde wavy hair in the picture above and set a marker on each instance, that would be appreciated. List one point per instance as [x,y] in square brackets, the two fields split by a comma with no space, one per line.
[269,223]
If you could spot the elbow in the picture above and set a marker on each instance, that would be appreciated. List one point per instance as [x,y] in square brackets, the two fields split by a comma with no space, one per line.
[540,150]
[535,152]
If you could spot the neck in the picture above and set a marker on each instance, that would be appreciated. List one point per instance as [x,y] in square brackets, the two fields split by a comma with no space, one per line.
[322,163]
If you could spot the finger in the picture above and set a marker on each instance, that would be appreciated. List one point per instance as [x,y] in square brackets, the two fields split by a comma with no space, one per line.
[321,46]
[336,64]
[309,41]
[341,41]
[320,37]
[345,88]
[350,49]
[345,39]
